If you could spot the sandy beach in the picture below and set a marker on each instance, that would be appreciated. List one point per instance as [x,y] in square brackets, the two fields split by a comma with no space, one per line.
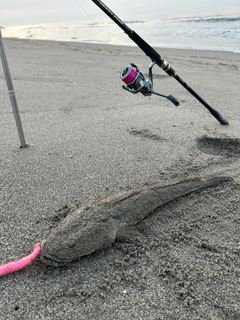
[89,139]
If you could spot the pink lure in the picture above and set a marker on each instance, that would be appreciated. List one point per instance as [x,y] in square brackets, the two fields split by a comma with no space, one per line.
[21,263]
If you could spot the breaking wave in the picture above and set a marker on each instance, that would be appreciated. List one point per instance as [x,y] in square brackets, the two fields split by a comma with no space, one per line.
[198,33]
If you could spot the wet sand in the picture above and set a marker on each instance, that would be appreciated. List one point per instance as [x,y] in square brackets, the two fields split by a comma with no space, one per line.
[89,139]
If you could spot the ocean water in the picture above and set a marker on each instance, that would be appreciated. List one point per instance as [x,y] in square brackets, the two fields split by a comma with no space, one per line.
[217,32]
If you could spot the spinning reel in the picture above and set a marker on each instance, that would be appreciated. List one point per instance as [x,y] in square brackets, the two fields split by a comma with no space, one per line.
[135,82]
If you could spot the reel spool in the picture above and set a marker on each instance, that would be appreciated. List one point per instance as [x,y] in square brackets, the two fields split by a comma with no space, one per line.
[135,82]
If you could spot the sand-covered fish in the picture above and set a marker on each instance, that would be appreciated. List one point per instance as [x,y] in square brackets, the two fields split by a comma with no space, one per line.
[97,226]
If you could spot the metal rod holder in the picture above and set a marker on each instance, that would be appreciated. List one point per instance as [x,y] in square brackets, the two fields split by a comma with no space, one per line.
[11,92]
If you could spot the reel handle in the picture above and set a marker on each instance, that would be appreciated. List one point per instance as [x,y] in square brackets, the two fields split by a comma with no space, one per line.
[174,100]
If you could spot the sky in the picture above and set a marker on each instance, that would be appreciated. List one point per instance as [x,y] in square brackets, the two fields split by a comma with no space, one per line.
[28,12]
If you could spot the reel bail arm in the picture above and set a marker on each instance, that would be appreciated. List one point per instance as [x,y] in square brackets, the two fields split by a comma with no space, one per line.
[136,82]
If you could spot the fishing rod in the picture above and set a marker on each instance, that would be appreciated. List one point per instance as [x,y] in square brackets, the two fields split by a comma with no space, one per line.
[135,80]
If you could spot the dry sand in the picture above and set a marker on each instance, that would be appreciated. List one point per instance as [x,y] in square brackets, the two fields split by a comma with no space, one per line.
[89,139]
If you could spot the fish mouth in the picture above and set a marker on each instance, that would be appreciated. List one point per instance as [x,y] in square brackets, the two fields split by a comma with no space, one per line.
[51,259]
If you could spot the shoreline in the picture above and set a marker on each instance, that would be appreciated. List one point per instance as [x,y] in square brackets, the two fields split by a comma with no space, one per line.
[121,45]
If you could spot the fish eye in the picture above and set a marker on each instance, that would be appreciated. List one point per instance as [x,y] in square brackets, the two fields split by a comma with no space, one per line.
[72,243]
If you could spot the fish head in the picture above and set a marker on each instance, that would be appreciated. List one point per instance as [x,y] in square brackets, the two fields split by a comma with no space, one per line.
[72,240]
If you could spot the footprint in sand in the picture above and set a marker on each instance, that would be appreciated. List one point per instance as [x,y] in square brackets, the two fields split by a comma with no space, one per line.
[227,147]
[145,133]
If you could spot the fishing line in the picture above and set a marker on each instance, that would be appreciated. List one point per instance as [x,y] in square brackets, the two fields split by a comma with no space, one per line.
[85,11]
[91,18]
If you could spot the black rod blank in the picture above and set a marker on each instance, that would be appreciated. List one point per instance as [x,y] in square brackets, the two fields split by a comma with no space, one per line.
[154,56]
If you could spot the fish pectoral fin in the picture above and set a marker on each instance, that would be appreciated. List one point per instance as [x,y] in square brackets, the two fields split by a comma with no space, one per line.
[129,233]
